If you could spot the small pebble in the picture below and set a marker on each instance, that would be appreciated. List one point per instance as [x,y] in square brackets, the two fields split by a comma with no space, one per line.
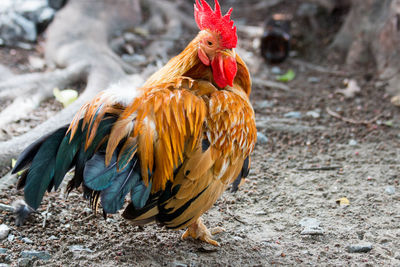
[352,142]
[359,248]
[311,226]
[4,230]
[313,113]
[293,115]
[11,237]
[53,238]
[261,138]
[312,231]
[42,255]
[276,70]
[313,79]
[79,248]
[3,250]
[263,104]
[27,240]
[179,264]
[390,190]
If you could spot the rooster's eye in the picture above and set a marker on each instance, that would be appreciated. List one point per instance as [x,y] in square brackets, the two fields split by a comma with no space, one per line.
[209,43]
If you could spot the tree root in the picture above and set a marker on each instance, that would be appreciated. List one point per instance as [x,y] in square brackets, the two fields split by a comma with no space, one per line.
[77,49]
[350,120]
[77,41]
[38,86]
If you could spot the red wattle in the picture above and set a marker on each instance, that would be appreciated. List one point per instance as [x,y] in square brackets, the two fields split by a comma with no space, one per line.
[224,70]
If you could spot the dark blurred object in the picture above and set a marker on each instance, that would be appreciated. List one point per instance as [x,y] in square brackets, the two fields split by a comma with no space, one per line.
[21,21]
[56,4]
[275,43]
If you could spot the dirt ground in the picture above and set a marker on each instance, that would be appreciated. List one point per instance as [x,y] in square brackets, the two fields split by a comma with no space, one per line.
[310,160]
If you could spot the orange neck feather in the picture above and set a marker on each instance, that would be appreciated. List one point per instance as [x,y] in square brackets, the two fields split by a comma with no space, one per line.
[188,64]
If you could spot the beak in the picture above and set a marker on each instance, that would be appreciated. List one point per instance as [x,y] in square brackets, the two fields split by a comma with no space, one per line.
[224,67]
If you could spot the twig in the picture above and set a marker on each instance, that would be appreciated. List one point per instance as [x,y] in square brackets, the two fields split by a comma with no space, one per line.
[349,120]
[322,168]
[271,84]
[87,217]
[45,215]
[236,218]
[319,68]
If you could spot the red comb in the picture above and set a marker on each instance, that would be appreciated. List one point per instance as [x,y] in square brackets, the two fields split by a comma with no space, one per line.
[206,18]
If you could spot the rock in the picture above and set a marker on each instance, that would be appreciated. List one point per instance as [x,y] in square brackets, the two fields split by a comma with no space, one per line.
[27,240]
[4,230]
[313,79]
[31,254]
[261,138]
[3,250]
[352,142]
[359,248]
[390,190]
[313,231]
[276,70]
[179,264]
[56,4]
[263,104]
[79,248]
[293,115]
[14,29]
[24,262]
[11,238]
[311,226]
[52,238]
[313,113]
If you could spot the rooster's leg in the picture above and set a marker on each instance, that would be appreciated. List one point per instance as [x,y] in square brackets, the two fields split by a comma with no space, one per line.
[198,230]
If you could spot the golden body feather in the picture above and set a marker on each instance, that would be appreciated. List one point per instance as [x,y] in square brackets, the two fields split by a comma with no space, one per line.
[191,137]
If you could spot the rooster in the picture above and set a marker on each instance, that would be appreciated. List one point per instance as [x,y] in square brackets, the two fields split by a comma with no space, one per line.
[174,145]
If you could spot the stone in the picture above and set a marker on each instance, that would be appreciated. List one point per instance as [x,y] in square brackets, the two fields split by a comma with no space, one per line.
[79,248]
[11,238]
[263,104]
[4,231]
[359,248]
[276,70]
[390,190]
[352,142]
[261,138]
[313,113]
[27,240]
[313,79]
[52,238]
[311,226]
[293,115]
[31,254]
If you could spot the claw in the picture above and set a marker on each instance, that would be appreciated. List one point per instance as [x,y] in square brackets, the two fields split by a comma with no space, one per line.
[199,231]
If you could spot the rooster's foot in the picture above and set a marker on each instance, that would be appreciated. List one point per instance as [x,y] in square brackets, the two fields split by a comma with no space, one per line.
[198,230]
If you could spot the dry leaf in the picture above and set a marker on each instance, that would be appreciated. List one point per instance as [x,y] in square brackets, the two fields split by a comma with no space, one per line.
[395,100]
[343,201]
[66,97]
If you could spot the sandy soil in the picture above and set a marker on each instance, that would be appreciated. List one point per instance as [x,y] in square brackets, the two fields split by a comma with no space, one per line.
[262,220]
